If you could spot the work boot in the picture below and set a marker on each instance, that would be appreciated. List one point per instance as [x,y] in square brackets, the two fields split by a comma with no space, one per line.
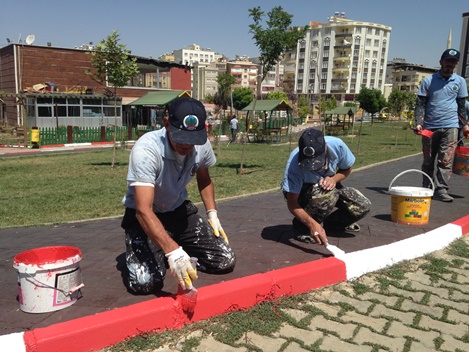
[442,196]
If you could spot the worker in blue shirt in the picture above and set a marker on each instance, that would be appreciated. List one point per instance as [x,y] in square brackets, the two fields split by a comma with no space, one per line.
[313,188]
[440,108]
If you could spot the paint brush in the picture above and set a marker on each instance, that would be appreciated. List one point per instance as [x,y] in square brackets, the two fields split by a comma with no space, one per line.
[187,299]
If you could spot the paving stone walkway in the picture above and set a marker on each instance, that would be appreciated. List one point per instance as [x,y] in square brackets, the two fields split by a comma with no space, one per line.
[416,306]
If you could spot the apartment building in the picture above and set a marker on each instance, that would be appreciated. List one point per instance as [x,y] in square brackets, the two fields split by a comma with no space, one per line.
[408,76]
[338,57]
[245,72]
[463,66]
[202,57]
[204,78]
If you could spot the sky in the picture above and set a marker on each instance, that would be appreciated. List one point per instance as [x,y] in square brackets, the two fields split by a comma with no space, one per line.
[150,28]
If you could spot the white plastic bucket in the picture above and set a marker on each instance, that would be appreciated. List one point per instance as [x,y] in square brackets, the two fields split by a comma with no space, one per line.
[410,205]
[49,278]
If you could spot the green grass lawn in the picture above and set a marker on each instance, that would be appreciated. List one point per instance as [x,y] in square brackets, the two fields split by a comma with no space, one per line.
[58,188]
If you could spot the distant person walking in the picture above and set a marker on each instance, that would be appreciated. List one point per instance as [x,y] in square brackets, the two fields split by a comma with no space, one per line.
[440,107]
[234,128]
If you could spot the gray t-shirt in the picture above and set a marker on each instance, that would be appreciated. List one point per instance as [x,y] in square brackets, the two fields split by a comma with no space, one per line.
[153,162]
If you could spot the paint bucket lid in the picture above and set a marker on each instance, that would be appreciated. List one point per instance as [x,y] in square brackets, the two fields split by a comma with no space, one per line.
[408,191]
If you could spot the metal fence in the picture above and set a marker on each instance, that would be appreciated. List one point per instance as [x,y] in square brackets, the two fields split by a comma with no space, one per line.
[74,134]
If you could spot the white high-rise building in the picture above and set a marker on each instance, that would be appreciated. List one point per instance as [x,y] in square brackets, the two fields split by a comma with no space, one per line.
[338,57]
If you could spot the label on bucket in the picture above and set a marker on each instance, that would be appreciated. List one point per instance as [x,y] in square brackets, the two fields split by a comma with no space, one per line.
[410,210]
[64,284]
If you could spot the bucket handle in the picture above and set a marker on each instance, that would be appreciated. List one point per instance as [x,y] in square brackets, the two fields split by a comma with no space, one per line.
[44,285]
[411,170]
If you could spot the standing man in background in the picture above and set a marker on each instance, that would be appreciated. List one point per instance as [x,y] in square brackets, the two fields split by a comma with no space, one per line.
[234,128]
[440,107]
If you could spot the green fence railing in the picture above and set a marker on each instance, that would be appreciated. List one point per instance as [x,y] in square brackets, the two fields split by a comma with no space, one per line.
[74,134]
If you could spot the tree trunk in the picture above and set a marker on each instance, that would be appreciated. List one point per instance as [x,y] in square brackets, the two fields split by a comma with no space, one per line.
[115,130]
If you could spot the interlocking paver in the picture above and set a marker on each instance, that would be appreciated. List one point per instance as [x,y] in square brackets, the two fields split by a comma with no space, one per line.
[426,337]
[405,317]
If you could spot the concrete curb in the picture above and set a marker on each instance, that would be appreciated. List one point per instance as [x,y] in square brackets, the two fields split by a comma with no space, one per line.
[105,329]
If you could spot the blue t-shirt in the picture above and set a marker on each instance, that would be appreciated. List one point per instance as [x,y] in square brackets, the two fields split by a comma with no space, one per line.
[441,110]
[153,162]
[339,156]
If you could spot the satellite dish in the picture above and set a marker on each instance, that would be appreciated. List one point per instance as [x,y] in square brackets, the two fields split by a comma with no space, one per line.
[30,39]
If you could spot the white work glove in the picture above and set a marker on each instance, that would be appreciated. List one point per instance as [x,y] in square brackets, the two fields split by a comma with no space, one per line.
[182,268]
[212,215]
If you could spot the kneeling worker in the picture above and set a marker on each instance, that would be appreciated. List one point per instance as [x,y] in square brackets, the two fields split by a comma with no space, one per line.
[312,188]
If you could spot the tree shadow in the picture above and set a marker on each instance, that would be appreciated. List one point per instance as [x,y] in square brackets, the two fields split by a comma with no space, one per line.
[109,164]
[381,190]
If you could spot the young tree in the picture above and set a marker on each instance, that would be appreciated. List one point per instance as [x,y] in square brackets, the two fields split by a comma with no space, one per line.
[277,95]
[223,97]
[371,100]
[114,67]
[242,97]
[274,40]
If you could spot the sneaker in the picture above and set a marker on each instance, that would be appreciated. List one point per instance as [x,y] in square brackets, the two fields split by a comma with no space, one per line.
[443,196]
[353,227]
[305,239]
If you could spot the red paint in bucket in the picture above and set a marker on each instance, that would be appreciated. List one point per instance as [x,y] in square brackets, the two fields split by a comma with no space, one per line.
[46,255]
[49,278]
[461,161]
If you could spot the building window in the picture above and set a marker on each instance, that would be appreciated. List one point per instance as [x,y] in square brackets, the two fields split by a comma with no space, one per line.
[369,30]
[358,29]
[315,33]
[368,42]
[376,43]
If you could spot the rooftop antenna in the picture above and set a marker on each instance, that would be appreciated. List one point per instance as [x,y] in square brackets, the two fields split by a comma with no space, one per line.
[30,39]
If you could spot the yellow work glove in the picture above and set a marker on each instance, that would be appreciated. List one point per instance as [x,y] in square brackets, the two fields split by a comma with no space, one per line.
[181,268]
[212,215]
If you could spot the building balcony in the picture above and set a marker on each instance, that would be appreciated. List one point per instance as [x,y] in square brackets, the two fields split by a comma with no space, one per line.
[342,58]
[341,68]
[339,80]
[343,35]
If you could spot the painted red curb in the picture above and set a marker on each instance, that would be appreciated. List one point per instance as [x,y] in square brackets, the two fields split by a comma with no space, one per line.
[464,223]
[108,328]
[159,314]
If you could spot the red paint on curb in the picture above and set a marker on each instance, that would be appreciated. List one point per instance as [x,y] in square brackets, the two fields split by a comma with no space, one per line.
[464,223]
[107,328]
[159,314]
